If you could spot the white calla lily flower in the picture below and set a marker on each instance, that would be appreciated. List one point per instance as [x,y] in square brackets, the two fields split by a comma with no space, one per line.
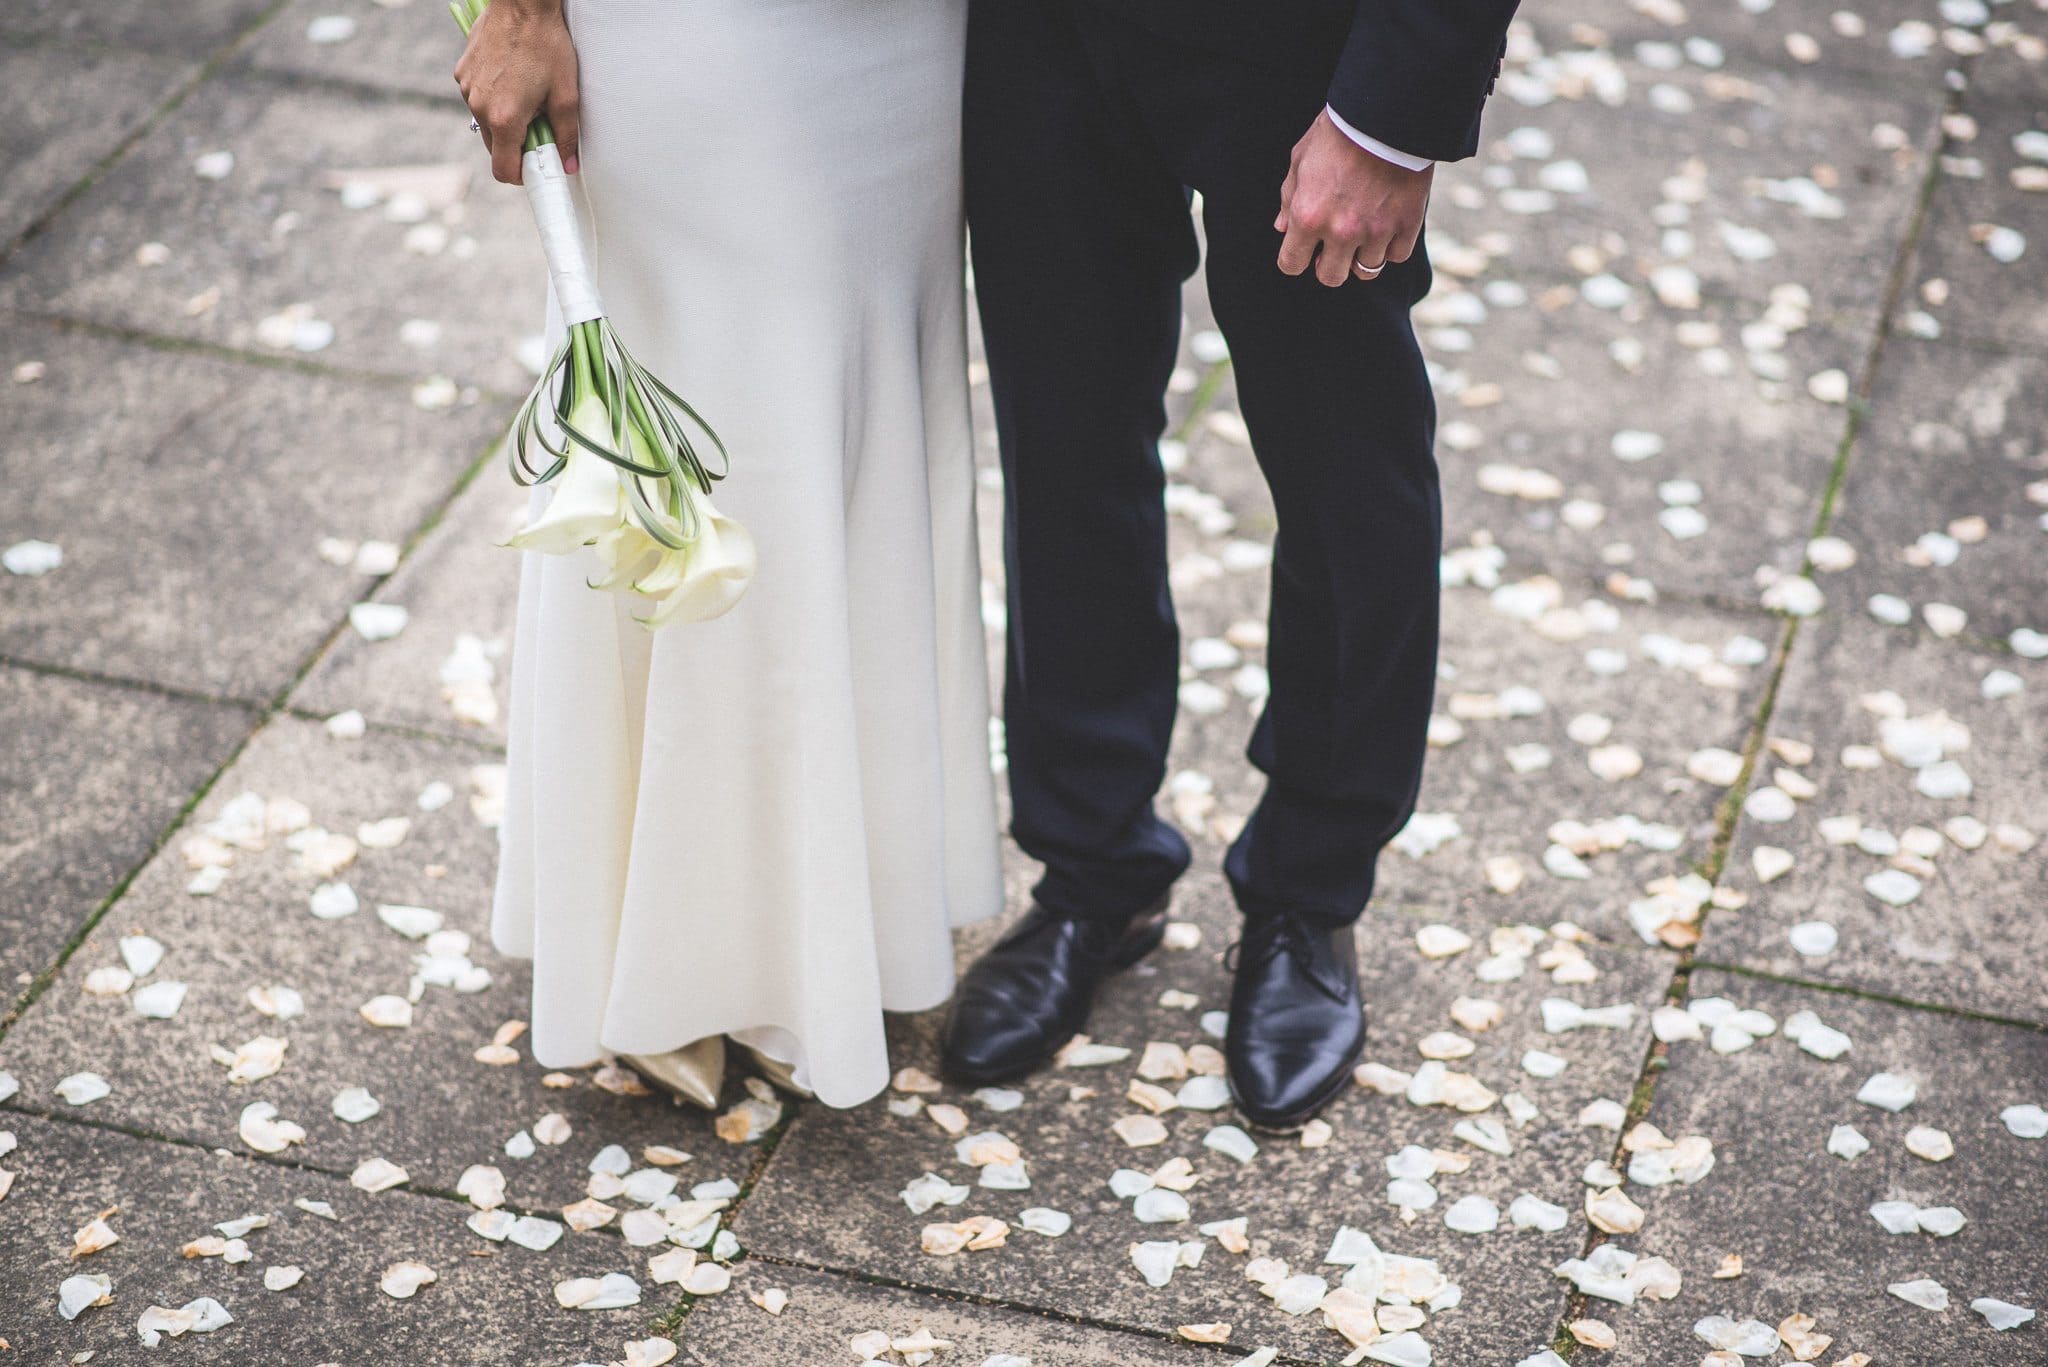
[592,386]
[625,552]
[704,579]
[588,498]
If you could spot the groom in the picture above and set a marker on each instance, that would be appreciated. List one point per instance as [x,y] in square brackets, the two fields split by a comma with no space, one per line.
[1309,128]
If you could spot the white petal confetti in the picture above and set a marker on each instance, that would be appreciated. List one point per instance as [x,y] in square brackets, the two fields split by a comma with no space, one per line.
[1472,1215]
[75,1294]
[31,559]
[1813,939]
[1888,1091]
[2027,1121]
[2001,1315]
[262,1131]
[82,1089]
[378,621]
[1750,1338]
[402,1279]
[332,901]
[377,1174]
[1924,1292]
[158,1000]
[1232,1142]
[1533,1212]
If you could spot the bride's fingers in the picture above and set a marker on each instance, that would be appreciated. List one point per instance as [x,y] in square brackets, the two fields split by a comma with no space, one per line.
[504,132]
[565,113]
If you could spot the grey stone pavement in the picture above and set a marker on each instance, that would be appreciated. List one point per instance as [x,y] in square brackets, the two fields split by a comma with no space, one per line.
[1715,953]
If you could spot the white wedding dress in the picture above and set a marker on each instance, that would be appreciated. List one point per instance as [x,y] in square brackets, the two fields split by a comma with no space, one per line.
[766,825]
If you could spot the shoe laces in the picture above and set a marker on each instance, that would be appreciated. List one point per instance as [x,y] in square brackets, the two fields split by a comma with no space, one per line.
[1284,932]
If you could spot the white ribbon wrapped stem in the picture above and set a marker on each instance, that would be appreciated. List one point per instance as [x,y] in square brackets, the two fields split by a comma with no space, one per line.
[561,237]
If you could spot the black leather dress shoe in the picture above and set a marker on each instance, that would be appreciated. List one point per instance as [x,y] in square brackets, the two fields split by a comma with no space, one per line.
[1297,1024]
[1021,1002]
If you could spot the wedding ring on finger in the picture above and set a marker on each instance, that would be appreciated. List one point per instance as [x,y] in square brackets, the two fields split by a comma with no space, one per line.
[1365,272]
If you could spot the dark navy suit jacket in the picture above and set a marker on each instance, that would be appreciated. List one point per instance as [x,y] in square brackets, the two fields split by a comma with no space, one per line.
[1411,73]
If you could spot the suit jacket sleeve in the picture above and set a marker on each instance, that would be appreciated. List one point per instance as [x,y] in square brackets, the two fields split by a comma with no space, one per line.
[1415,73]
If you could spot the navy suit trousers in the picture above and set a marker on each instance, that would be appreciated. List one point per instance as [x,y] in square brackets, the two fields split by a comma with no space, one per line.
[1085,136]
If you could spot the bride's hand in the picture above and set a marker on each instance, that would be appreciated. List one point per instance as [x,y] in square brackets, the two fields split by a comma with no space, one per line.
[520,63]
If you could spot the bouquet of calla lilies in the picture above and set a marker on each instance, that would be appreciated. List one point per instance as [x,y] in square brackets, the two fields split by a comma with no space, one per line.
[619,447]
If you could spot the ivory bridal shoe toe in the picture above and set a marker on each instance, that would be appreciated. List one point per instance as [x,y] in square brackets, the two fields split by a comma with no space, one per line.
[778,1073]
[695,1072]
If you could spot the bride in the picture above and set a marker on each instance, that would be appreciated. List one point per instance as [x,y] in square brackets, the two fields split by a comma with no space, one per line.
[764,827]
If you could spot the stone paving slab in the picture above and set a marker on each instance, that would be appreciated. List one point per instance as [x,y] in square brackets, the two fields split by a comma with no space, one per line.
[409,47]
[829,1197]
[1956,434]
[825,1313]
[1799,1216]
[199,567]
[1988,299]
[442,1111]
[1662,711]
[1762,34]
[191,28]
[1972,938]
[1733,486]
[457,583]
[1777,127]
[89,778]
[490,1300]
[2010,69]
[272,234]
[49,145]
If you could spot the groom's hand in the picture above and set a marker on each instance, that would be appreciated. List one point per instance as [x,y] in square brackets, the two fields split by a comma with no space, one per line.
[1340,204]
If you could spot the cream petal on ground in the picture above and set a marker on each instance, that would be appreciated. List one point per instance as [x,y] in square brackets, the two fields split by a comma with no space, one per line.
[768,824]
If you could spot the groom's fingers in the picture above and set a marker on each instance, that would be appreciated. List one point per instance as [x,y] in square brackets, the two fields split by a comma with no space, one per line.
[1298,248]
[1374,251]
[1333,267]
[1403,245]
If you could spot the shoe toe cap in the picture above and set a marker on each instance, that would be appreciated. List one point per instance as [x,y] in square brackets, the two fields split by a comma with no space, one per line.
[991,1045]
[1282,1084]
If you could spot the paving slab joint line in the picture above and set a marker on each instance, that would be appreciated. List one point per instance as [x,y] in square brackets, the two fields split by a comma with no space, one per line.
[264,715]
[290,80]
[42,980]
[1871,995]
[669,1323]
[483,745]
[281,1161]
[1729,811]
[206,70]
[1043,1312]
[59,670]
[196,346]
[1896,284]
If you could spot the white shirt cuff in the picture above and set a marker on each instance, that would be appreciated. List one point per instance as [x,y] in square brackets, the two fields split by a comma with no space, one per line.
[1379,149]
